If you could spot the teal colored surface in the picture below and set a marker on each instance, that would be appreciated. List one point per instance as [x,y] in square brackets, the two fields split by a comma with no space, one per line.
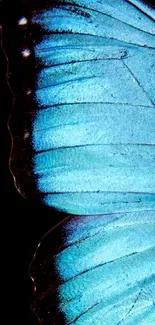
[107,267]
[97,202]
[94,131]
[62,126]
[94,143]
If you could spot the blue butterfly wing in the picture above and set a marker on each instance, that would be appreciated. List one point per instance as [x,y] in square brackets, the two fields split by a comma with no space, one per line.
[94,132]
[98,270]
[108,267]
[93,137]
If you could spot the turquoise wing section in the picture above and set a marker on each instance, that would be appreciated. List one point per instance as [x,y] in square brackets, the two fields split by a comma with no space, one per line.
[97,269]
[94,132]
[108,269]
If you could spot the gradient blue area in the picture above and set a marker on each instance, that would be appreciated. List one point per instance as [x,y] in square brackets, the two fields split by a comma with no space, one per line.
[135,18]
[62,126]
[94,202]
[94,143]
[100,19]
[107,267]
[94,132]
[125,168]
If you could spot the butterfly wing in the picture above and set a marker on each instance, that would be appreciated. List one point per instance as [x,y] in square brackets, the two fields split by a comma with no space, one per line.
[94,132]
[89,125]
[97,270]
[83,124]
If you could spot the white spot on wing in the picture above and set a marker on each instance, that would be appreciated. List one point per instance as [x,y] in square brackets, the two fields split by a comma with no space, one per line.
[22,21]
[26,53]
[26,135]
[29,91]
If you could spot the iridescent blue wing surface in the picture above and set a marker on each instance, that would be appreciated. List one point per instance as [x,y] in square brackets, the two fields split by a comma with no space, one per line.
[85,144]
[97,270]
[96,157]
[84,116]
[94,132]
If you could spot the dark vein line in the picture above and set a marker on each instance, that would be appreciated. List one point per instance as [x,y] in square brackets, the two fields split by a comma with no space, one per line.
[95,103]
[103,231]
[103,192]
[113,305]
[86,46]
[104,226]
[104,14]
[60,105]
[123,56]
[90,47]
[67,82]
[128,313]
[139,84]
[144,12]
[85,312]
[94,145]
[99,265]
[101,300]
[117,19]
[105,263]
[98,36]
[116,218]
[62,246]
[114,213]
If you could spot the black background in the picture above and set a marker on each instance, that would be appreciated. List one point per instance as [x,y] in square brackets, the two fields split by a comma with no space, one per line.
[23,222]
